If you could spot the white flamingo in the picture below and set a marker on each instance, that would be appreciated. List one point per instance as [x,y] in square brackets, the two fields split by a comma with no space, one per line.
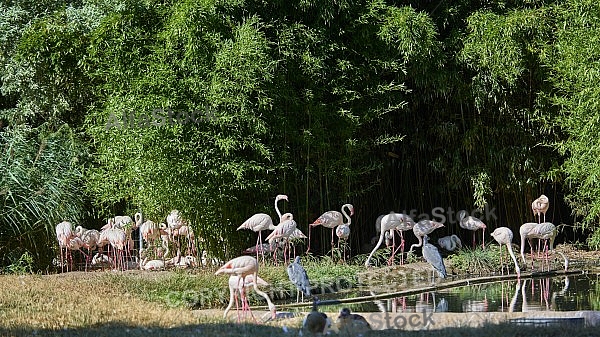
[422,228]
[76,244]
[90,239]
[260,222]
[540,206]
[388,224]
[471,223]
[331,219]
[523,232]
[545,231]
[242,267]
[116,238]
[235,288]
[504,236]
[283,231]
[64,234]
[152,264]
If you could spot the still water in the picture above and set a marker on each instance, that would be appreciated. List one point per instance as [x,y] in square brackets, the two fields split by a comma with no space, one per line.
[564,293]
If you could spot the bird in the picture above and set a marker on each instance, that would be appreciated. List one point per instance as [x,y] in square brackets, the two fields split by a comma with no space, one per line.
[76,244]
[343,233]
[283,231]
[261,221]
[315,322]
[504,236]
[242,267]
[64,234]
[298,276]
[90,239]
[423,228]
[235,285]
[146,264]
[149,231]
[433,257]
[450,243]
[471,223]
[540,206]
[388,224]
[331,219]
[545,231]
[116,237]
[523,232]
[348,323]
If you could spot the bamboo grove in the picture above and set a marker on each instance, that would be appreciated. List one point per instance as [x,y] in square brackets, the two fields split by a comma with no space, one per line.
[214,107]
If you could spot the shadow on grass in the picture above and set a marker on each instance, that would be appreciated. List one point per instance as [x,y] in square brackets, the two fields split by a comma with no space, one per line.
[253,330]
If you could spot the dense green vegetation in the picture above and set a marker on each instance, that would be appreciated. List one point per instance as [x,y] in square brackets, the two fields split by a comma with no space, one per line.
[214,107]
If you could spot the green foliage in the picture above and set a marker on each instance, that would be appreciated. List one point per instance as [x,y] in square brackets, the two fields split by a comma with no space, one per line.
[41,185]
[477,261]
[23,265]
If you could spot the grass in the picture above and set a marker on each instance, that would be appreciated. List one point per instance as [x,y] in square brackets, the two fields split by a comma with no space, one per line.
[145,304]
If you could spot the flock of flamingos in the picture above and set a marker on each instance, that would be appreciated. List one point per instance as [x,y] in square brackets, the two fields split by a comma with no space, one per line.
[116,235]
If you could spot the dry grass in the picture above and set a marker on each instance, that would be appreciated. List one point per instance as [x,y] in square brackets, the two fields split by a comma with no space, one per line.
[101,304]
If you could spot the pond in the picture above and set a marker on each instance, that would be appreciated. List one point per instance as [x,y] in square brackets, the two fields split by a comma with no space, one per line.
[558,293]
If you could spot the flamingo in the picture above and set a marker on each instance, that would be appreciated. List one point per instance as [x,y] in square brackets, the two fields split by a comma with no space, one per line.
[545,231]
[343,233]
[76,244]
[242,267]
[260,222]
[64,234]
[471,223]
[540,206]
[283,231]
[116,238]
[387,224]
[235,285]
[524,231]
[331,219]
[90,239]
[423,228]
[450,243]
[504,236]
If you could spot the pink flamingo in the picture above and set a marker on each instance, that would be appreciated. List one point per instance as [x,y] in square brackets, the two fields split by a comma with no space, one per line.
[64,234]
[243,267]
[422,228]
[540,206]
[260,222]
[283,231]
[331,219]
[471,223]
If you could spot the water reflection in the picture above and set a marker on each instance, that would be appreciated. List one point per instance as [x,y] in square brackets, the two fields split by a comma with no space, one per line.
[566,293]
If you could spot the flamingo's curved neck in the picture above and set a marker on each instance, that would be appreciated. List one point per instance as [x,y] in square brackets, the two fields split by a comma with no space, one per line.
[346,215]
[277,208]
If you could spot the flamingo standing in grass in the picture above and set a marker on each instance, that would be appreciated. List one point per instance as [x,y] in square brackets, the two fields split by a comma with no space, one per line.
[387,225]
[473,224]
[282,232]
[64,234]
[235,287]
[504,236]
[422,228]
[260,222]
[90,239]
[242,267]
[331,219]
